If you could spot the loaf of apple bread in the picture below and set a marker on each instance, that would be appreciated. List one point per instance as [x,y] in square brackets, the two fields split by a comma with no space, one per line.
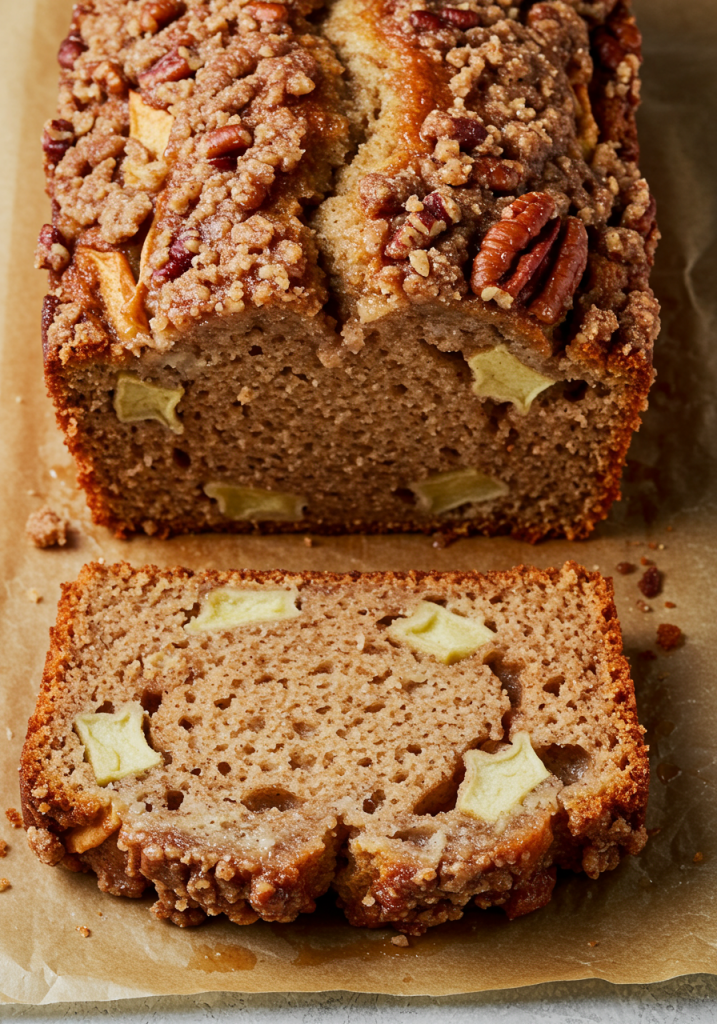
[242,741]
[364,266]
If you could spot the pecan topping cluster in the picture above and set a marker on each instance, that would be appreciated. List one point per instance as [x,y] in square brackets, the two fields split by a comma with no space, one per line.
[531,257]
[158,13]
[429,218]
[57,138]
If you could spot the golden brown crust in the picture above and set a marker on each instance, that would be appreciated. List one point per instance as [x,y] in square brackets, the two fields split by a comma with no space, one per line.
[378,882]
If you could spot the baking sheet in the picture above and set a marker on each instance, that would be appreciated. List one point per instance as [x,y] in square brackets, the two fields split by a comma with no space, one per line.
[653,918]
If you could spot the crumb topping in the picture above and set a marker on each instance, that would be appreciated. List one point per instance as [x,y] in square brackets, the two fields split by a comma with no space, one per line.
[193,138]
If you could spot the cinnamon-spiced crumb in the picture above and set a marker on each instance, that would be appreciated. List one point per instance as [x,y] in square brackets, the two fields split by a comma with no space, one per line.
[14,817]
[669,636]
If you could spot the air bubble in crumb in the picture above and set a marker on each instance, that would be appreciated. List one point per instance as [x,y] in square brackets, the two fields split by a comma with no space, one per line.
[32,595]
[399,940]
[83,930]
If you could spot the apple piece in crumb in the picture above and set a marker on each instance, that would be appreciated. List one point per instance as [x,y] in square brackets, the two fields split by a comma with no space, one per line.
[435,630]
[255,503]
[442,492]
[500,375]
[115,743]
[229,607]
[136,399]
[497,784]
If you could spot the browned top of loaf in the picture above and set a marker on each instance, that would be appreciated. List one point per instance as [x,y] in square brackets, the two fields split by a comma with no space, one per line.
[554,84]
[322,714]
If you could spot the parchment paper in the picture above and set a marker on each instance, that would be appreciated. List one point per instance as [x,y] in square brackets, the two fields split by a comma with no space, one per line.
[653,918]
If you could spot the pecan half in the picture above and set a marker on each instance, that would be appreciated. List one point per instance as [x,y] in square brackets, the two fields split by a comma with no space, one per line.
[70,49]
[158,13]
[110,76]
[565,274]
[51,252]
[170,68]
[497,174]
[223,145]
[180,260]
[424,21]
[267,13]
[528,269]
[459,18]
[416,232]
[521,221]
[57,138]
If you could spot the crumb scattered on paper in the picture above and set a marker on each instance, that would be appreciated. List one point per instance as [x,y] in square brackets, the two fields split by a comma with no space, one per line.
[83,930]
[668,636]
[46,529]
[14,817]
[399,940]
[32,595]
[4,884]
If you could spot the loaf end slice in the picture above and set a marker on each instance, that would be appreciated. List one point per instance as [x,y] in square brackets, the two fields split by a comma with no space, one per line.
[243,741]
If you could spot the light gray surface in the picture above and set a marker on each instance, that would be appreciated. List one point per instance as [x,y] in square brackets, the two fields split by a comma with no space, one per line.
[689,1000]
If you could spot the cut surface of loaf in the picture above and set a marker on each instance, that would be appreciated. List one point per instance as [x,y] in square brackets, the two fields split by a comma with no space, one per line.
[243,741]
[364,266]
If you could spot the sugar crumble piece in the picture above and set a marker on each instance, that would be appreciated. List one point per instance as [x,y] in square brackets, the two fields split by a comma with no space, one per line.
[669,636]
[32,595]
[698,858]
[3,848]
[4,884]
[46,529]
[14,817]
[670,604]
[83,930]
[399,940]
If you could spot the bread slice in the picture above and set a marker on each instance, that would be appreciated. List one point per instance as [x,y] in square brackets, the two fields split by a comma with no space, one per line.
[244,740]
[378,267]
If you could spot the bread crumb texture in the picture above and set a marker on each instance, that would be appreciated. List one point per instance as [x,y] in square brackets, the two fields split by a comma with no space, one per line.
[284,755]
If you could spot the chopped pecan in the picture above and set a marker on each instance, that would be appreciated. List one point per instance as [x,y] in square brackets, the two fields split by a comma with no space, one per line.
[70,49]
[442,207]
[459,18]
[223,145]
[424,21]
[57,138]
[521,221]
[416,232]
[497,174]
[267,12]
[110,76]
[613,42]
[528,269]
[565,274]
[51,252]
[170,68]
[158,13]
[379,196]
[468,132]
[180,260]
